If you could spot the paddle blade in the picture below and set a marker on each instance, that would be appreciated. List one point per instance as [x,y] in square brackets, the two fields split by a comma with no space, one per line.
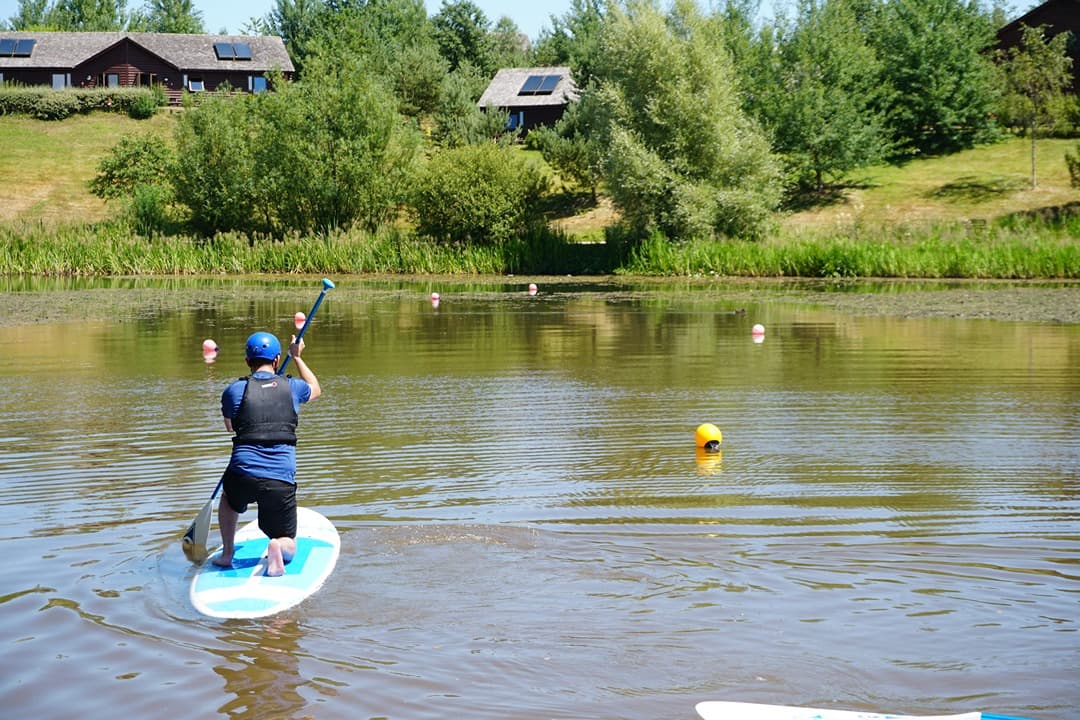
[194,540]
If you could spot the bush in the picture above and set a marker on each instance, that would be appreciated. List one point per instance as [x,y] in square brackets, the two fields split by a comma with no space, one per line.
[485,194]
[44,103]
[56,105]
[1073,162]
[132,162]
[149,209]
[143,106]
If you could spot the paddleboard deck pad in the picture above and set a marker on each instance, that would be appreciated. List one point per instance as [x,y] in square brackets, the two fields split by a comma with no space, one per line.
[244,590]
[717,710]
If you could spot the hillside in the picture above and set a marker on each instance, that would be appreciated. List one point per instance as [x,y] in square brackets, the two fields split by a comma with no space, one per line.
[45,167]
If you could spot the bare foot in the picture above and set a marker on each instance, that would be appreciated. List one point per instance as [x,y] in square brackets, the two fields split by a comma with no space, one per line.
[275,563]
[222,561]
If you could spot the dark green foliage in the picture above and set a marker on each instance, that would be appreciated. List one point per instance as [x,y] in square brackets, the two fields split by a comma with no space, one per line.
[172,16]
[134,162]
[215,168]
[463,34]
[1073,162]
[44,103]
[332,152]
[459,120]
[573,40]
[573,147]
[484,194]
[941,88]
[143,107]
[817,92]
[681,155]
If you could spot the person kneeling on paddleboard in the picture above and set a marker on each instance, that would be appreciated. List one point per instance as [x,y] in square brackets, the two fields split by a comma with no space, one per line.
[262,410]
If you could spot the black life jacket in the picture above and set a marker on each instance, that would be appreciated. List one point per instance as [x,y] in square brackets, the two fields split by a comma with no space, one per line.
[266,415]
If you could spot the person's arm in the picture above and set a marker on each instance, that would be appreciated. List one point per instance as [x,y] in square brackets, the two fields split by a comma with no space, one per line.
[295,348]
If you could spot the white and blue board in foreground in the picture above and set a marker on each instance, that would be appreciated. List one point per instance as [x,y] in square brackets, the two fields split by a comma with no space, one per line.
[244,590]
[717,710]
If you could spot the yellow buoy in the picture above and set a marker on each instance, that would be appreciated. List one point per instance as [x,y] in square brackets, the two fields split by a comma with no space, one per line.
[708,436]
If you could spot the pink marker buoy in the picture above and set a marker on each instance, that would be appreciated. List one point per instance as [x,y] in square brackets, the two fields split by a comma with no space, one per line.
[758,329]
[209,345]
[532,288]
[435,299]
[299,319]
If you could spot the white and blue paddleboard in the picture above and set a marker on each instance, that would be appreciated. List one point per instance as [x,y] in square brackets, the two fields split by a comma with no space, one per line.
[244,590]
[717,710]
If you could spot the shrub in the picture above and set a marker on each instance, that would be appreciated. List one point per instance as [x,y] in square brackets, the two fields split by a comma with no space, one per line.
[149,209]
[56,105]
[1073,162]
[143,106]
[484,194]
[134,161]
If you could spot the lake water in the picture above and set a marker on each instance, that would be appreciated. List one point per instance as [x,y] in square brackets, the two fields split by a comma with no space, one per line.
[527,529]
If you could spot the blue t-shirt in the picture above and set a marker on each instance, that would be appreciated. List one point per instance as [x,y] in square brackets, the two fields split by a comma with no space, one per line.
[276,462]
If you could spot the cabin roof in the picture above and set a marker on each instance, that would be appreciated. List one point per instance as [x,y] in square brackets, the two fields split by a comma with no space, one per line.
[185,52]
[505,88]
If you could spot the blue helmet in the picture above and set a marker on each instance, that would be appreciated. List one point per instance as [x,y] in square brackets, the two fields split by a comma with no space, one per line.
[262,346]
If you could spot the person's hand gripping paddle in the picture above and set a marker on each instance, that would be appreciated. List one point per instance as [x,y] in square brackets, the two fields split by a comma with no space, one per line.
[194,541]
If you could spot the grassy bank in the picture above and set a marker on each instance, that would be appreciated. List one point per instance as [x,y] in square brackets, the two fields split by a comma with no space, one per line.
[969,215]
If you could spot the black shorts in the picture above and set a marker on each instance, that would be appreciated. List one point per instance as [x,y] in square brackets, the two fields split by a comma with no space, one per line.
[276,500]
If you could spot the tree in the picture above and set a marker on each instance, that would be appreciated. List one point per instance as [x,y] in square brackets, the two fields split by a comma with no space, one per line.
[214,175]
[483,194]
[817,94]
[136,160]
[173,16]
[31,15]
[1038,73]
[573,146]
[463,34]
[940,88]
[509,46]
[574,40]
[682,157]
[295,22]
[333,152]
[88,15]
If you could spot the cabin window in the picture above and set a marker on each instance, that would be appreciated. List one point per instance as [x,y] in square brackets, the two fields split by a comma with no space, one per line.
[59,81]
[146,79]
[258,84]
[112,80]
[196,84]
[1,78]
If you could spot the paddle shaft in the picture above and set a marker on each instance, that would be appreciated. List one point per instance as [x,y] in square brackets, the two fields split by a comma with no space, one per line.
[327,286]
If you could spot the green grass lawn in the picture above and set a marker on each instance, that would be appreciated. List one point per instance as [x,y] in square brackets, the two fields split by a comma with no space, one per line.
[45,166]
[982,183]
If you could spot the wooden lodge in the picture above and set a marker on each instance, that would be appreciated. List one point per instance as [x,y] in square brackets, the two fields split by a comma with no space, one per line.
[531,96]
[196,63]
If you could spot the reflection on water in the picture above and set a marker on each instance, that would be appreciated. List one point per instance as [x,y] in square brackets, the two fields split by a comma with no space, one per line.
[527,528]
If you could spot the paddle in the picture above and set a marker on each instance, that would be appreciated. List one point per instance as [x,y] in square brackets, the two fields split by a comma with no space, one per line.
[194,541]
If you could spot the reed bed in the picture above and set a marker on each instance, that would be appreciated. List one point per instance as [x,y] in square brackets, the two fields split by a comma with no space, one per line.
[1028,250]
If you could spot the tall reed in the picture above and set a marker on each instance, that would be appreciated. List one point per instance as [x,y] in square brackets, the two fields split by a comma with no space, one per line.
[1032,249]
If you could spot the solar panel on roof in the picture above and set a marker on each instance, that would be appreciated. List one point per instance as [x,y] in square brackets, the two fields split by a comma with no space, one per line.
[24,47]
[242,50]
[547,86]
[7,47]
[530,85]
[224,50]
